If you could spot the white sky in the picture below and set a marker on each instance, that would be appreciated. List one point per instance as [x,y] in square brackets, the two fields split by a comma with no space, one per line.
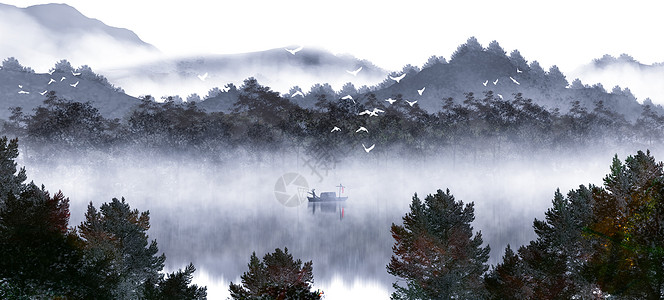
[391,33]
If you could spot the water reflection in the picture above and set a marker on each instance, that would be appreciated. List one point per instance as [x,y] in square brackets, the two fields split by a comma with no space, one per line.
[216,216]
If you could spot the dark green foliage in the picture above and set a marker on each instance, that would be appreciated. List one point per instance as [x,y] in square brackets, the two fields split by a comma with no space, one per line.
[40,254]
[436,253]
[73,124]
[490,127]
[277,276]
[44,258]
[260,103]
[11,179]
[594,241]
[120,233]
[626,229]
[176,286]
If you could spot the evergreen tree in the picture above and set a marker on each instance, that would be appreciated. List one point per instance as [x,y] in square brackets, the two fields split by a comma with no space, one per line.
[11,179]
[40,257]
[261,103]
[63,66]
[507,280]
[12,64]
[556,78]
[518,60]
[116,236]
[434,60]
[626,230]
[495,48]
[176,286]
[277,276]
[471,45]
[436,253]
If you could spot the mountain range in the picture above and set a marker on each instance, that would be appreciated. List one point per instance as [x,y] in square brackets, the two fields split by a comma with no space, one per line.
[43,34]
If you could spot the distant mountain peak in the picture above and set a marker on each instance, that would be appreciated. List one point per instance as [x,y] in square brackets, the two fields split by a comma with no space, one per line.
[63,18]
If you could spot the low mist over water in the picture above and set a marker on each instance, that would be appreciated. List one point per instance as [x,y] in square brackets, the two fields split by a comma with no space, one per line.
[216,215]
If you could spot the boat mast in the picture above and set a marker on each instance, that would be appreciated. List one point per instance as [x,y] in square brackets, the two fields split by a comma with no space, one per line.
[340,186]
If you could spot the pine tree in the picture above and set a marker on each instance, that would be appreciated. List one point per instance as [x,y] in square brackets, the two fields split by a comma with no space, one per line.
[277,276]
[175,286]
[628,244]
[436,253]
[11,179]
[507,280]
[115,238]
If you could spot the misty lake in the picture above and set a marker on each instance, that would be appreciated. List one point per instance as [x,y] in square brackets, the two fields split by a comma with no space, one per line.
[215,215]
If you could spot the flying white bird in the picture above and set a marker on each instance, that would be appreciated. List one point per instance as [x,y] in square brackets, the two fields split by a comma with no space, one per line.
[486,82]
[20,86]
[294,50]
[335,129]
[348,97]
[23,92]
[203,77]
[500,96]
[354,73]
[51,72]
[514,80]
[390,100]
[43,93]
[75,84]
[368,149]
[495,82]
[63,78]
[297,93]
[371,113]
[411,103]
[75,74]
[398,78]
[362,129]
[518,71]
[51,81]
[421,91]
[367,112]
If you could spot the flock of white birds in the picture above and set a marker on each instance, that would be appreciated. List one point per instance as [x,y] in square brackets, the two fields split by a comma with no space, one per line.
[495,82]
[23,91]
[369,113]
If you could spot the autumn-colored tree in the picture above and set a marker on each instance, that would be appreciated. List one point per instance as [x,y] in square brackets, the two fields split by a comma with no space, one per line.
[436,253]
[627,229]
[115,240]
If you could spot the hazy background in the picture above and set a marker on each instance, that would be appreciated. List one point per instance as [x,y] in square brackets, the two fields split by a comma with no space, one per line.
[390,33]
